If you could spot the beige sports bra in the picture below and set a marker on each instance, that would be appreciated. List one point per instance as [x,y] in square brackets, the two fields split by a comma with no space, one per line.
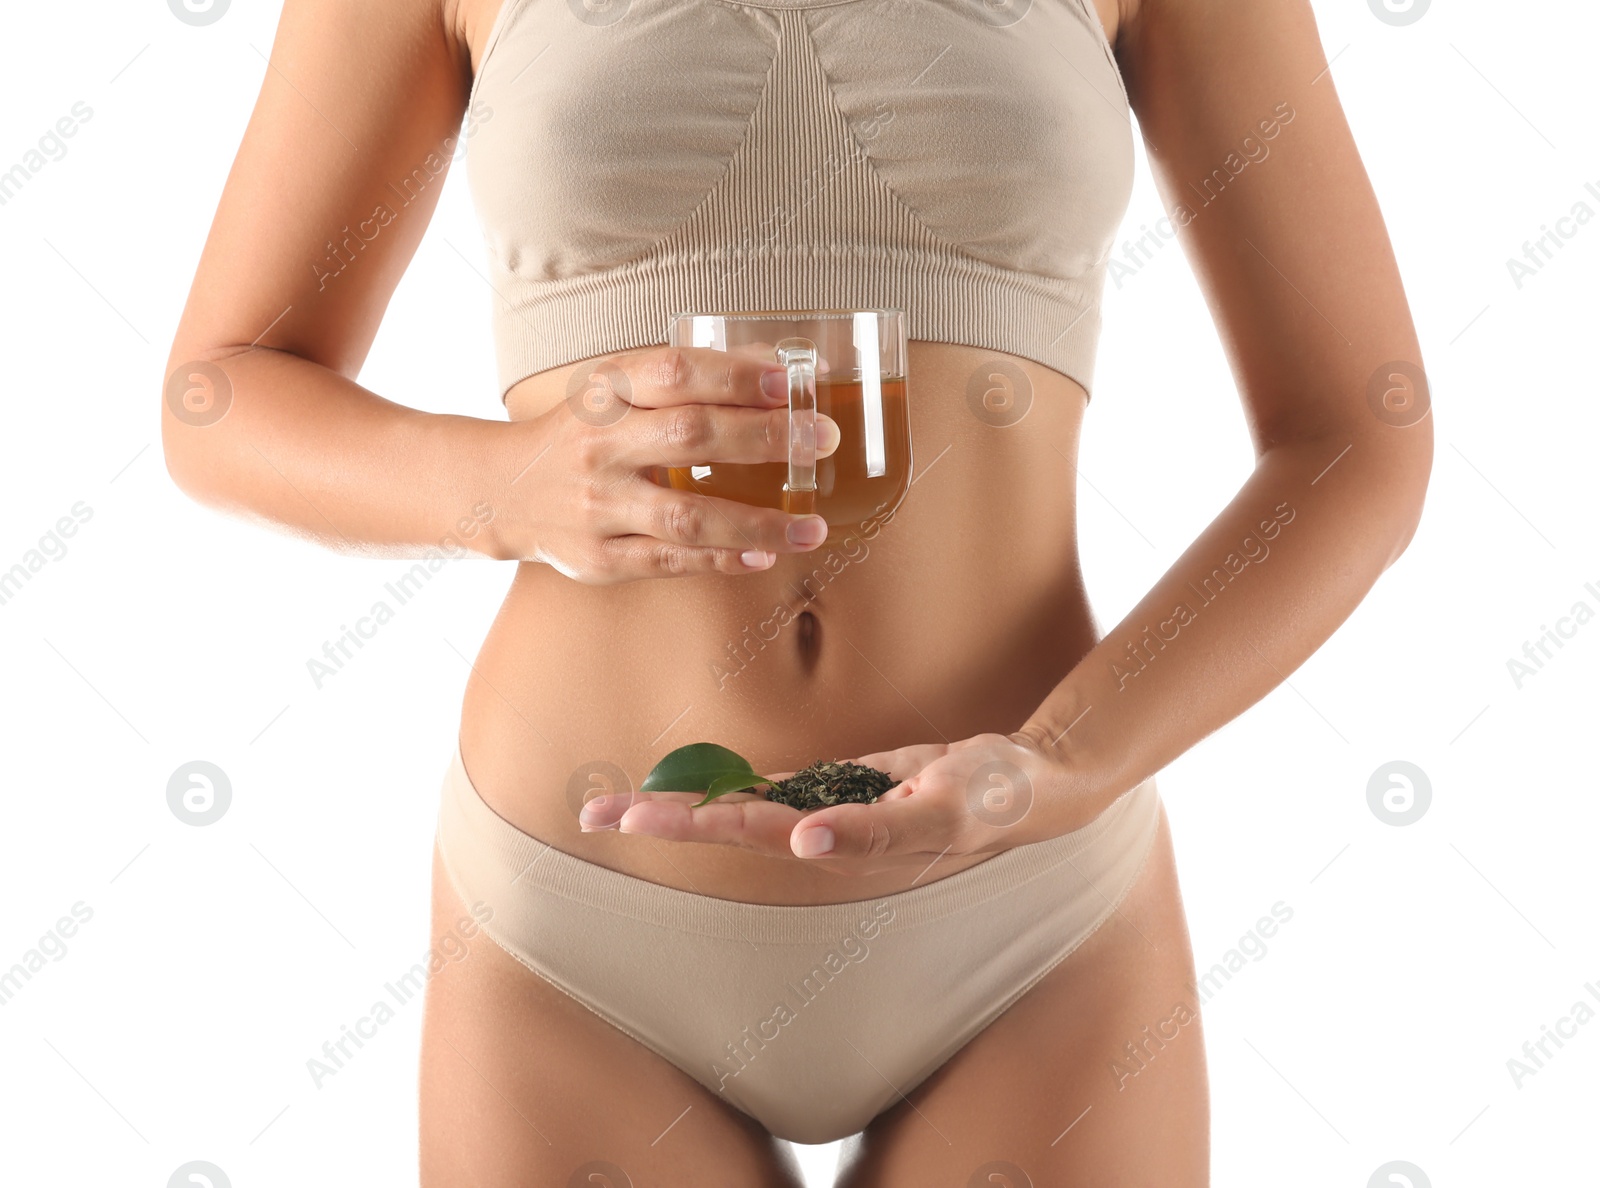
[967,161]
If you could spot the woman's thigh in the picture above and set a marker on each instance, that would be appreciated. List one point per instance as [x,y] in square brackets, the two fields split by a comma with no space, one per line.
[1096,1076]
[521,1085]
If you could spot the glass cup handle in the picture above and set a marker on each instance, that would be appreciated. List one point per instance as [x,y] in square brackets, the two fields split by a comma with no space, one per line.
[799,355]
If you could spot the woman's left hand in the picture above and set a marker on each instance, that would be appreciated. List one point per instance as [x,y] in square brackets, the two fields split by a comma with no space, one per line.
[978,795]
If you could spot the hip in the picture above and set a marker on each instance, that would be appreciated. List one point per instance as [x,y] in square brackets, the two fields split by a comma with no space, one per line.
[712,986]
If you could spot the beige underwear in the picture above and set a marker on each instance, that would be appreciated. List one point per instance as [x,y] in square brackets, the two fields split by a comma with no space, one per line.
[810,1019]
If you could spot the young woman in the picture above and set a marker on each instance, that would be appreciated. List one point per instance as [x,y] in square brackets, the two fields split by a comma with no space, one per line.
[985,977]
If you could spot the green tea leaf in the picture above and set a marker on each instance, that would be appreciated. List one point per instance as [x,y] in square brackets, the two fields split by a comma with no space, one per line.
[693,767]
[702,767]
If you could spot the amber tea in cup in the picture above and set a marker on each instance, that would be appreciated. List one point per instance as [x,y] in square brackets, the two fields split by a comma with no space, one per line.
[849,365]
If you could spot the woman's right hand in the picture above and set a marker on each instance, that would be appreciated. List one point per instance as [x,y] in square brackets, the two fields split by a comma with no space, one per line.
[585,504]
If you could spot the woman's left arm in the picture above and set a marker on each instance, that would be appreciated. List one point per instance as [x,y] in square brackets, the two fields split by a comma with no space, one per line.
[1256,167]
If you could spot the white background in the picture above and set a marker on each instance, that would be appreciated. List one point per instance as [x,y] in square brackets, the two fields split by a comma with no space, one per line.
[1377,1026]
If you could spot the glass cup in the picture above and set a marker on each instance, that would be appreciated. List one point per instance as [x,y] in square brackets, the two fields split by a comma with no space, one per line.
[848,364]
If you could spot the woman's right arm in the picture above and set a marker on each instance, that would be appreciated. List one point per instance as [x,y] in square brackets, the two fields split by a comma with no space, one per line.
[261,412]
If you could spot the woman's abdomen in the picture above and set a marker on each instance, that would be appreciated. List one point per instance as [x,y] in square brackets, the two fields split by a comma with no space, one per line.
[954,616]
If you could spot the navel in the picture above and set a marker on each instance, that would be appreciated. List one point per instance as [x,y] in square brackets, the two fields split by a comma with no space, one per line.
[808,633]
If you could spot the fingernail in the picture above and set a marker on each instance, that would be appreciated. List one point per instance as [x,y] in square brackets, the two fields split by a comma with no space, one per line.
[814,842]
[827,435]
[811,530]
[756,558]
[775,384]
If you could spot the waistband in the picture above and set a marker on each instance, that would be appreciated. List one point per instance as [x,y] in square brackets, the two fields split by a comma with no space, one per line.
[487,856]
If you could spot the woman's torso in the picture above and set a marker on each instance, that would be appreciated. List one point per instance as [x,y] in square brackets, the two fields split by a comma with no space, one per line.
[957,617]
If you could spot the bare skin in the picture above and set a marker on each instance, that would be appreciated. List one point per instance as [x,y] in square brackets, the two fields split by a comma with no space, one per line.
[942,631]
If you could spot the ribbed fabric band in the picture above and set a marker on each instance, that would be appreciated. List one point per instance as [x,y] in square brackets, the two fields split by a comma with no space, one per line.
[516,860]
[802,218]
[948,297]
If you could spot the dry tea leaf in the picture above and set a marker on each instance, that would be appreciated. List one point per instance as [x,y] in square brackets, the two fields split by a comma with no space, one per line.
[828,782]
